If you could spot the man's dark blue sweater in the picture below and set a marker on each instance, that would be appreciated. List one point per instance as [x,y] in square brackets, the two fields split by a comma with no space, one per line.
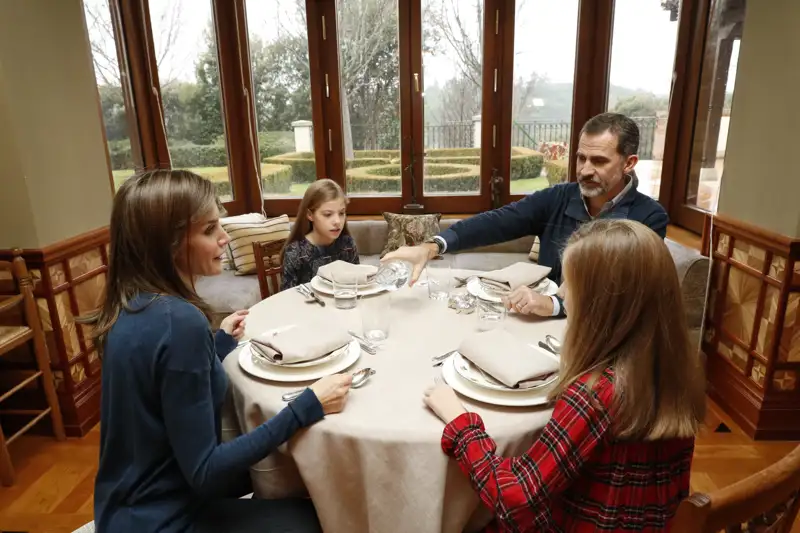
[552,214]
[161,459]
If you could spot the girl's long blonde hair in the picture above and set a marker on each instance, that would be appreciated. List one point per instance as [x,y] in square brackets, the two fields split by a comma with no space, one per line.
[318,193]
[626,312]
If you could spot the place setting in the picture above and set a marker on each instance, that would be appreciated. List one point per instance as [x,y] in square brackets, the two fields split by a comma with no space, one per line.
[497,368]
[345,281]
[494,285]
[301,352]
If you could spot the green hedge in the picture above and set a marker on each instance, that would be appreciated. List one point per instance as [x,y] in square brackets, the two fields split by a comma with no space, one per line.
[303,165]
[438,178]
[359,162]
[557,170]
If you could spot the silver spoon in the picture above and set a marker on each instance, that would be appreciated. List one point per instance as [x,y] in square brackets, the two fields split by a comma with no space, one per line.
[360,377]
[553,343]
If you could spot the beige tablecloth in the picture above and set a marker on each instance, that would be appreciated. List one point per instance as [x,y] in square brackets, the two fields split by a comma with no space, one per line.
[378,466]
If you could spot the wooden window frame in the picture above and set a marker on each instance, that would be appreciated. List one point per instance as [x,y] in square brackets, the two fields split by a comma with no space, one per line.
[590,94]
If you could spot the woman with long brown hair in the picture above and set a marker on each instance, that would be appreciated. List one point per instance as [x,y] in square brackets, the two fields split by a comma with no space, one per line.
[319,235]
[617,452]
[163,466]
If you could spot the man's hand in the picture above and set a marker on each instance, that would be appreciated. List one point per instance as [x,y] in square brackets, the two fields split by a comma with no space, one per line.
[526,301]
[234,324]
[418,256]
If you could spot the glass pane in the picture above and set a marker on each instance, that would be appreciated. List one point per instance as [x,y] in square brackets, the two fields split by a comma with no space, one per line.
[642,59]
[369,63]
[282,88]
[542,104]
[188,71]
[109,87]
[714,106]
[452,60]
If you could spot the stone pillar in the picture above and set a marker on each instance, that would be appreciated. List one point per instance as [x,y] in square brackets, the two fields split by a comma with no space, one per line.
[476,131]
[303,136]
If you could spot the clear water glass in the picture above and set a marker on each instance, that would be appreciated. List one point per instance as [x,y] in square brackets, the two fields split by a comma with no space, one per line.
[440,279]
[375,318]
[345,295]
[393,275]
[490,315]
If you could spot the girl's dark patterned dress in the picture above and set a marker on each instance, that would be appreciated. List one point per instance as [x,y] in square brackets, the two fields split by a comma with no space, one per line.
[302,259]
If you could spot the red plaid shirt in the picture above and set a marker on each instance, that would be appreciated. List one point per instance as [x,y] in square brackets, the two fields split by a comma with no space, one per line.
[575,477]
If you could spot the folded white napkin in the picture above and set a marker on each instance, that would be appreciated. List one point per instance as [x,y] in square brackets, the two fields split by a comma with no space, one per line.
[506,358]
[516,275]
[347,273]
[304,342]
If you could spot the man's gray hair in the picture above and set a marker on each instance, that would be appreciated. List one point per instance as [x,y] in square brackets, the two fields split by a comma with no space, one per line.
[623,128]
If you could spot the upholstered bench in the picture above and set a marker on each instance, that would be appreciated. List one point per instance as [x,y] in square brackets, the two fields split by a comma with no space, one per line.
[227,292]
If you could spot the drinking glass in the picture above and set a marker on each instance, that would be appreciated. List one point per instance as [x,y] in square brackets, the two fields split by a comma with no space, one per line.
[345,295]
[375,318]
[490,314]
[440,278]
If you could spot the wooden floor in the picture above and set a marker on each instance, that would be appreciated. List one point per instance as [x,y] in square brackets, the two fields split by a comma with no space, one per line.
[53,493]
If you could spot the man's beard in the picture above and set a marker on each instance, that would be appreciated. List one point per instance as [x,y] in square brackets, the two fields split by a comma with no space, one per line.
[591,192]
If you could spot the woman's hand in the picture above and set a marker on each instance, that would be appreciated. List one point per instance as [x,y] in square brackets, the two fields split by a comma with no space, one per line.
[234,324]
[443,401]
[332,392]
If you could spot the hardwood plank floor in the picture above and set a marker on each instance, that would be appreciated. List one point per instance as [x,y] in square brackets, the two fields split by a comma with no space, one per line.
[53,493]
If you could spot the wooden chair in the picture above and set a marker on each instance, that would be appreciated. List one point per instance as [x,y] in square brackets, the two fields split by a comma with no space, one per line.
[766,502]
[268,266]
[14,336]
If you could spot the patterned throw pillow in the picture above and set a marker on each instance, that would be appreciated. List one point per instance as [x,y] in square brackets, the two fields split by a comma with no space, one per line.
[534,254]
[409,230]
[244,230]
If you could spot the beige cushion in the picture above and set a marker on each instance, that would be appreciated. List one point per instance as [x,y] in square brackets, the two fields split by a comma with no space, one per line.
[409,230]
[244,232]
[534,254]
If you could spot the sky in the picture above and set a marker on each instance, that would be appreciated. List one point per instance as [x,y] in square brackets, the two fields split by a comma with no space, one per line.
[643,45]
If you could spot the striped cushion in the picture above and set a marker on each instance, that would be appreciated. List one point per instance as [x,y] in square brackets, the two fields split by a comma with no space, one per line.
[244,233]
[534,253]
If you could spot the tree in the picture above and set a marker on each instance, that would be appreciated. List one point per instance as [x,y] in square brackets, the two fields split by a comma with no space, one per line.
[641,105]
[206,102]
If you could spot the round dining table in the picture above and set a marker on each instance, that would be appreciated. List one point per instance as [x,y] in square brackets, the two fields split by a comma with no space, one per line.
[378,465]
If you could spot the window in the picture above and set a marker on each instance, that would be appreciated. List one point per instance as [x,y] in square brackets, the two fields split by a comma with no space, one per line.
[110,89]
[185,47]
[642,57]
[544,69]
[443,106]
[369,78]
[279,62]
[714,106]
[452,63]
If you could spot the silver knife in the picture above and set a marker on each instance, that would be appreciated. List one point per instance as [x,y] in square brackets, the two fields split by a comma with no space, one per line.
[313,294]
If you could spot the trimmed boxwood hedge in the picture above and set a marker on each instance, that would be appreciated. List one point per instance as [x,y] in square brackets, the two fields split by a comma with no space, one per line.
[304,168]
[438,178]
[557,170]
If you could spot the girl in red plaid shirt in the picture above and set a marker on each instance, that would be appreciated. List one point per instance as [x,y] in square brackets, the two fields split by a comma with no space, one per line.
[617,452]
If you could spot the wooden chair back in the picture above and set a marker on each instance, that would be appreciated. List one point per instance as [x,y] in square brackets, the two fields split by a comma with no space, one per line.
[766,502]
[269,267]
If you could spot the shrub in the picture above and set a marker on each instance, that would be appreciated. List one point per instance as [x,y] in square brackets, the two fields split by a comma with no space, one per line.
[438,178]
[193,155]
[557,170]
[380,154]
[304,167]
[525,163]
[276,179]
[271,143]
[359,162]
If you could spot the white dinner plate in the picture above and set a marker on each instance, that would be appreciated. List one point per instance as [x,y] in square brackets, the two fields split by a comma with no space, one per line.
[469,371]
[475,288]
[327,358]
[318,285]
[292,373]
[528,398]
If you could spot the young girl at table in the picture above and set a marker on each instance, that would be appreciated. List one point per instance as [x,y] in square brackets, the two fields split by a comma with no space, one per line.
[163,466]
[616,453]
[319,235]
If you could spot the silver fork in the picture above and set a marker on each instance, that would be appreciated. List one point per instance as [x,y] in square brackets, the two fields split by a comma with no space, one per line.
[366,345]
